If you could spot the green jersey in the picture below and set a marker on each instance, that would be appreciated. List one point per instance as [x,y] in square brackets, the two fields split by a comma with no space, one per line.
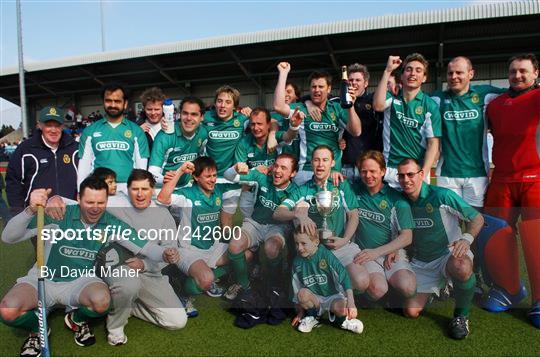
[199,214]
[247,151]
[326,132]
[120,148]
[407,126]
[321,273]
[170,151]
[268,196]
[223,137]
[80,253]
[463,144]
[437,213]
[382,216]
[344,200]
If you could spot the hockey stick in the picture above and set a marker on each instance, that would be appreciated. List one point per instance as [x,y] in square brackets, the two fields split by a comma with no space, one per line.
[42,308]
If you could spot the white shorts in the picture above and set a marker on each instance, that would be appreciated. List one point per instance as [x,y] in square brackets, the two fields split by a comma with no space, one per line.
[230,198]
[65,293]
[247,201]
[302,177]
[259,233]
[377,266]
[189,255]
[431,276]
[347,253]
[391,178]
[325,303]
[471,189]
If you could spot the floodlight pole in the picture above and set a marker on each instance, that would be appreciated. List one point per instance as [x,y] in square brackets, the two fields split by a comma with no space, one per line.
[22,86]
[102,26]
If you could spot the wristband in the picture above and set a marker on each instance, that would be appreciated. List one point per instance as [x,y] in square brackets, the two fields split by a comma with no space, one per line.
[468,237]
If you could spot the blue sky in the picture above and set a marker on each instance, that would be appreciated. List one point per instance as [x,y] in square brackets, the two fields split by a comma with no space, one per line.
[59,29]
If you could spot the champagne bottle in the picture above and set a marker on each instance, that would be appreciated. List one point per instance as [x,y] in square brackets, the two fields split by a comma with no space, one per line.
[344,97]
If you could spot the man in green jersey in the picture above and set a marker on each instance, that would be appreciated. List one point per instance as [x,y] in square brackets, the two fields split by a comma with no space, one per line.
[71,246]
[301,206]
[385,228]
[114,141]
[200,234]
[464,163]
[412,121]
[440,251]
[187,142]
[261,228]
[225,128]
[314,133]
[320,284]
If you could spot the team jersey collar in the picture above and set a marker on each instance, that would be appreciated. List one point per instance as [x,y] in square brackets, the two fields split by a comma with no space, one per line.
[203,194]
[424,191]
[122,122]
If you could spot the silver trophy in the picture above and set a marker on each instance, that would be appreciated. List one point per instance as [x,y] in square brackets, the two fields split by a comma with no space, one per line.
[325,205]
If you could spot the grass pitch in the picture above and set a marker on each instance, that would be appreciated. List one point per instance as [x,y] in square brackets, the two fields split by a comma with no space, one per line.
[213,333]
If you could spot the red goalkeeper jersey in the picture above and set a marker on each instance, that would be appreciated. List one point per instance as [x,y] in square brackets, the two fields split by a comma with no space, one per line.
[515,125]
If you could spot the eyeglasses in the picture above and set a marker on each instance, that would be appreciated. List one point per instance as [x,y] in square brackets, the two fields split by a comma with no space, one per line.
[408,174]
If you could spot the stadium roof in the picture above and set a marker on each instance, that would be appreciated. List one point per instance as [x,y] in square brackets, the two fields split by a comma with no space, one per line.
[486,33]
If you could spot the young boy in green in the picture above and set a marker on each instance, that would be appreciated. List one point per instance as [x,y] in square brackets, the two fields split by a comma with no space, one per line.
[320,284]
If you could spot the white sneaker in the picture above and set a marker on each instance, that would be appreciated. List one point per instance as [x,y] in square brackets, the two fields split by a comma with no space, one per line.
[117,337]
[232,291]
[307,324]
[353,325]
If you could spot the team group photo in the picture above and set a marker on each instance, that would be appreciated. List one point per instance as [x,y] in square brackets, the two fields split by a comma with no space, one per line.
[348,206]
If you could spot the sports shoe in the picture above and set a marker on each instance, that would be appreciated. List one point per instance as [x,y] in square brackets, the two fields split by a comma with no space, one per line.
[83,333]
[117,337]
[232,291]
[499,300]
[459,327]
[31,346]
[534,314]
[353,325]
[307,324]
[188,302]
[215,290]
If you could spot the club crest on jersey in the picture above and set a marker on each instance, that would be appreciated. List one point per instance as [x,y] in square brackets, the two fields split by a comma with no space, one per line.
[475,98]
[419,110]
[218,201]
[333,116]
[429,208]
[367,106]
[236,123]
[66,159]
[383,204]
[199,142]
[128,133]
[323,264]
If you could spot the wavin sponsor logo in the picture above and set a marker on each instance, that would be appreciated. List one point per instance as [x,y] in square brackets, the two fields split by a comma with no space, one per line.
[318,279]
[423,223]
[410,122]
[208,217]
[224,135]
[461,115]
[72,252]
[267,203]
[112,145]
[323,127]
[370,215]
[184,158]
[256,163]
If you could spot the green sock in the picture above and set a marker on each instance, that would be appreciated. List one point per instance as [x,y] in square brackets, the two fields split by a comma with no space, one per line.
[273,271]
[240,268]
[220,271]
[191,288]
[82,314]
[27,321]
[464,293]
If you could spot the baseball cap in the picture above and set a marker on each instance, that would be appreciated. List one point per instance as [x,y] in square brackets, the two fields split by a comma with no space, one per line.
[51,113]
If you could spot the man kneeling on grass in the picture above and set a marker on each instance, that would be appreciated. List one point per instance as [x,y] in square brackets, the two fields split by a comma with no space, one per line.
[320,284]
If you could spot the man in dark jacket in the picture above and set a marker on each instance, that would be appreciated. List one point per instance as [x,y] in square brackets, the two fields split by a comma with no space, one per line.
[48,159]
